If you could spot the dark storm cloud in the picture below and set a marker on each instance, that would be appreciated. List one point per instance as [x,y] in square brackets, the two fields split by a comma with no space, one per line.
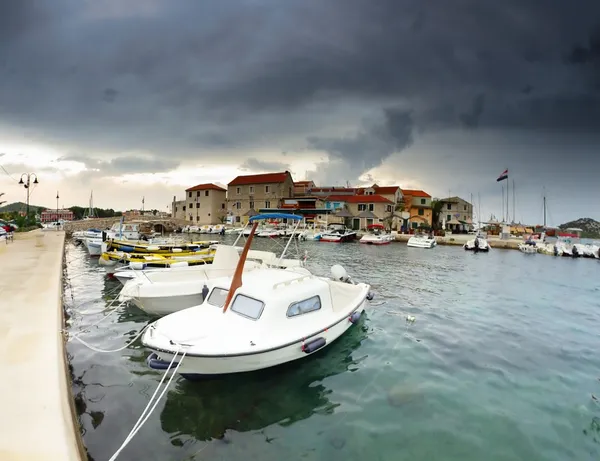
[123,165]
[195,76]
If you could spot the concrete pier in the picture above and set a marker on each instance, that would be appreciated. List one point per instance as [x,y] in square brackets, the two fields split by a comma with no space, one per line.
[39,421]
[461,239]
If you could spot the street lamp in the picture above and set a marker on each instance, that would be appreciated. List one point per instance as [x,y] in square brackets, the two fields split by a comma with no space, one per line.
[26,185]
[57,197]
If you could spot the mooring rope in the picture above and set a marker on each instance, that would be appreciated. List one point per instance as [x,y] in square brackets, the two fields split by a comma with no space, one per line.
[96,349]
[147,410]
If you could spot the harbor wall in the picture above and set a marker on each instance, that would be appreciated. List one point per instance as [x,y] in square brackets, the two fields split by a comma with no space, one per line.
[38,409]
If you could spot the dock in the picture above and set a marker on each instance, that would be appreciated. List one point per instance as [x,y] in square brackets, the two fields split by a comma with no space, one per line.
[461,239]
[39,417]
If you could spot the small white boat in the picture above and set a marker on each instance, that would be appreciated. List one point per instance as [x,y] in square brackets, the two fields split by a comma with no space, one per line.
[337,233]
[256,320]
[477,244]
[270,232]
[79,236]
[217,229]
[376,235]
[93,245]
[122,230]
[421,240]
[528,248]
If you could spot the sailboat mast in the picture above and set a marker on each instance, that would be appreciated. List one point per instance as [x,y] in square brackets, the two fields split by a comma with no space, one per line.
[479,210]
[514,200]
[544,212]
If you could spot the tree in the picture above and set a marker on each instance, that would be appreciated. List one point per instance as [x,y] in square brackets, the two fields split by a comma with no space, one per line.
[436,210]
[2,202]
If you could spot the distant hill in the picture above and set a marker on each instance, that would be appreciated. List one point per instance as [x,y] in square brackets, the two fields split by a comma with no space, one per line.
[20,206]
[590,227]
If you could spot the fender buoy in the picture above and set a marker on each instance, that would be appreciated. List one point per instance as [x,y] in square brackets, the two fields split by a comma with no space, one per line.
[313,345]
[157,364]
[370,296]
[355,317]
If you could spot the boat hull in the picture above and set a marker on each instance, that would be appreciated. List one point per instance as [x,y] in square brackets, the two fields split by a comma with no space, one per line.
[421,243]
[160,306]
[199,367]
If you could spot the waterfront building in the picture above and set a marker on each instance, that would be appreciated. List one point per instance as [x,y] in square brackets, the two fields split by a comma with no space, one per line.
[50,215]
[178,208]
[249,194]
[456,213]
[204,204]
[417,204]
[302,188]
[366,209]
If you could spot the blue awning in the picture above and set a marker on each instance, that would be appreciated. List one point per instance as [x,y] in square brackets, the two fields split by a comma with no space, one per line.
[258,217]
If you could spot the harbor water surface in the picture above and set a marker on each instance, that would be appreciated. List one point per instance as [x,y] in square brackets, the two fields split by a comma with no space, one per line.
[501,362]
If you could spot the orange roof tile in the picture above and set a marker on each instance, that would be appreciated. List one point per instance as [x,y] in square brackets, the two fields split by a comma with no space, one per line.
[359,198]
[266,178]
[302,183]
[415,193]
[209,186]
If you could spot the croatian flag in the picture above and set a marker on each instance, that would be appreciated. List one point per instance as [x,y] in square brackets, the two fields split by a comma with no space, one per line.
[503,176]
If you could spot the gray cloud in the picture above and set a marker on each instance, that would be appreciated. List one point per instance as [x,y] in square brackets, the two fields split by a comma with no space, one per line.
[253,164]
[203,77]
[123,165]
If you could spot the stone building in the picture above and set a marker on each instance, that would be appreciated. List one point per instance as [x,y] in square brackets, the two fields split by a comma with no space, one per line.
[204,204]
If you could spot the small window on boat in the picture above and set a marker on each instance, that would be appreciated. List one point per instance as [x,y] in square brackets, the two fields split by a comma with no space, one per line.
[303,307]
[247,307]
[217,297]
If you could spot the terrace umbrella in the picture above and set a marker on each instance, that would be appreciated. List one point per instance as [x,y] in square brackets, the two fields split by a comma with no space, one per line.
[344,214]
[367,215]
[251,212]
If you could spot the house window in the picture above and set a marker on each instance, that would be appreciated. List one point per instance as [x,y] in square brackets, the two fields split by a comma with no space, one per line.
[389,208]
[423,201]
[252,189]
[206,193]
[371,207]
[189,194]
[197,193]
[252,205]
[237,219]
[465,207]
[362,207]
[448,217]
[247,307]
[197,204]
[238,190]
[238,205]
[183,207]
[191,205]
[421,211]
[222,206]
[267,189]
[267,204]
[304,307]
[197,218]
[449,206]
[414,225]
[191,218]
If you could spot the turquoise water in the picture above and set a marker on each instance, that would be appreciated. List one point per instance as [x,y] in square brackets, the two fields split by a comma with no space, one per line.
[500,364]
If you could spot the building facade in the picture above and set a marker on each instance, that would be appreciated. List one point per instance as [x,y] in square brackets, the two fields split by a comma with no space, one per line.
[252,193]
[417,204]
[178,208]
[204,204]
[53,216]
[456,213]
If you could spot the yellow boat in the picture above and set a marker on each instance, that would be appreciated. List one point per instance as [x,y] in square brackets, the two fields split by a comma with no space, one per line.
[158,248]
[112,260]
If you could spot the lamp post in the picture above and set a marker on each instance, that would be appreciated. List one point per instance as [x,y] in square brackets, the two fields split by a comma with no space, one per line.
[57,221]
[26,184]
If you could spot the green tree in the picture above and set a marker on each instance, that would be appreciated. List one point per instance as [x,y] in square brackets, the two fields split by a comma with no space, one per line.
[2,202]
[436,210]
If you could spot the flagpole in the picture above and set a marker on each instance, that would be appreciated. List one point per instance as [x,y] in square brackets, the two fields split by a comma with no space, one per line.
[502,202]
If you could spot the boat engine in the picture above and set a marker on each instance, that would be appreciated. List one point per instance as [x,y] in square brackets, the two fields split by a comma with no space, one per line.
[339,273]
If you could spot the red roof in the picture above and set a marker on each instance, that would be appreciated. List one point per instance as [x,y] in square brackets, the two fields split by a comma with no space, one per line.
[266,178]
[302,183]
[358,198]
[209,186]
[380,190]
[415,193]
[333,189]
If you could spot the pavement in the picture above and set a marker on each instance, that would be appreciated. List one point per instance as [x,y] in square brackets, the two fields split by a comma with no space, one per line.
[38,418]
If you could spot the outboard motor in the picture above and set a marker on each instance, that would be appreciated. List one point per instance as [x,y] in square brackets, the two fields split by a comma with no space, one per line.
[204,292]
[555,250]
[575,251]
[476,245]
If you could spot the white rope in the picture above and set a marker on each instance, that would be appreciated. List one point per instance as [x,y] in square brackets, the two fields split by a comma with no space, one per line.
[147,412]
[95,349]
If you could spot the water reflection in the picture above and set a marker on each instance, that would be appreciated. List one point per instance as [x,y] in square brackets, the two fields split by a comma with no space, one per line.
[253,401]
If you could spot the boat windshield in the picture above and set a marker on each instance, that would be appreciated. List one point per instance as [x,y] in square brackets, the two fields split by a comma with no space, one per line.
[217,297]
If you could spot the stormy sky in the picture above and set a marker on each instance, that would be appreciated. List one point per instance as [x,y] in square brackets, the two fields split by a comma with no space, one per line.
[147,97]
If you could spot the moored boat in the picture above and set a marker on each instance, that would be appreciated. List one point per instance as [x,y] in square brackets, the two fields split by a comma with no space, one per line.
[478,244]
[376,235]
[421,240]
[256,320]
[337,233]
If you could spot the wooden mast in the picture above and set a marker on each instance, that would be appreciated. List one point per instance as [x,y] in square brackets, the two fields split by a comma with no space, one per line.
[236,282]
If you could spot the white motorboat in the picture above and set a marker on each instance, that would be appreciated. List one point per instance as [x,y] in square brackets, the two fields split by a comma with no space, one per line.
[163,292]
[255,320]
[337,233]
[528,248]
[217,229]
[270,232]
[478,244]
[125,231]
[79,236]
[376,235]
[93,245]
[421,240]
